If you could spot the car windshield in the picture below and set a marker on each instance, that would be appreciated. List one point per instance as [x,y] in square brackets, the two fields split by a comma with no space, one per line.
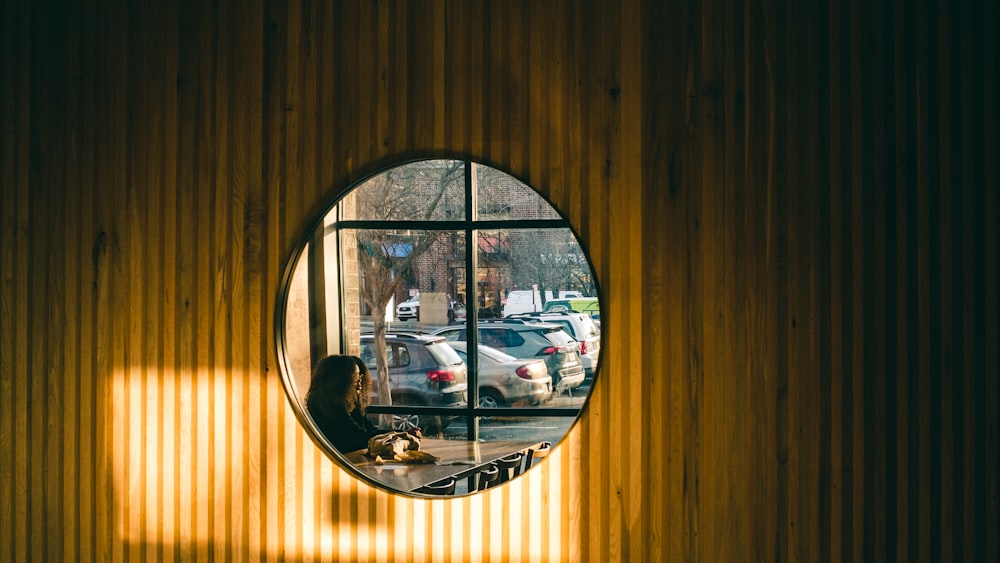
[444,354]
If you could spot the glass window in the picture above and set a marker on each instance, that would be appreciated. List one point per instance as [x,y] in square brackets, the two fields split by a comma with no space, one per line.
[428,190]
[387,274]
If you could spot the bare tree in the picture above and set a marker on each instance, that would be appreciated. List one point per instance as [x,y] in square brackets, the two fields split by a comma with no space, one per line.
[552,259]
[386,256]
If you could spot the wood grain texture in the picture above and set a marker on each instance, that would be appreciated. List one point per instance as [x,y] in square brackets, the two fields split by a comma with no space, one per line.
[791,209]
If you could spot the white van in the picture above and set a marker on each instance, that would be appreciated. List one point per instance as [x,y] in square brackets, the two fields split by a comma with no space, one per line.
[530,300]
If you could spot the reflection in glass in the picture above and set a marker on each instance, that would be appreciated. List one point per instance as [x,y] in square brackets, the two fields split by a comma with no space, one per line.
[387,275]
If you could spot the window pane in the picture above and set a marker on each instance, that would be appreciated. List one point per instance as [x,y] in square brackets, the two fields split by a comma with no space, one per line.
[525,268]
[422,370]
[502,197]
[406,275]
[515,428]
[407,282]
[507,381]
[430,190]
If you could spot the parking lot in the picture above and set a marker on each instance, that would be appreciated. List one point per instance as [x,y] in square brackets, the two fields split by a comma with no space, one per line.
[506,428]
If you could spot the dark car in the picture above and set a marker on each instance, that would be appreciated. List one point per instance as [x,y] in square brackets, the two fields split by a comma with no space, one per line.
[423,371]
[525,339]
[581,327]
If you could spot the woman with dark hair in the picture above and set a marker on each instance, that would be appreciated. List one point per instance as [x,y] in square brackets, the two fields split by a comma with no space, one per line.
[337,399]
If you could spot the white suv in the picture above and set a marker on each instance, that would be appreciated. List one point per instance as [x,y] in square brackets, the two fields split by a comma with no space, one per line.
[581,327]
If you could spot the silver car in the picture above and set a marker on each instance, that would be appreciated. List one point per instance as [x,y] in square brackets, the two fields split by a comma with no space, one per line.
[508,381]
[522,338]
[422,371]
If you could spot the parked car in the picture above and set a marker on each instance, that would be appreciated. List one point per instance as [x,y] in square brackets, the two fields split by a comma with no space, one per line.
[423,371]
[581,327]
[410,309]
[529,300]
[589,305]
[505,380]
[525,339]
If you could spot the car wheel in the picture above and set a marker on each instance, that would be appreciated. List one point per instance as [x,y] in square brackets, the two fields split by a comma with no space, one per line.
[428,425]
[489,399]
[405,422]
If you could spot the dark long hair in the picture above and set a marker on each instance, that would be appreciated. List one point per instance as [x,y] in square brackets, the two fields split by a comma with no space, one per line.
[364,395]
[333,384]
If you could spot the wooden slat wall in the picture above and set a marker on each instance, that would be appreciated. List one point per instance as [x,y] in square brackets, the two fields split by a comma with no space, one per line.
[792,209]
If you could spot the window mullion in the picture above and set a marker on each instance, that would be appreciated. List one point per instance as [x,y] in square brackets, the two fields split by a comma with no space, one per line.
[471,307]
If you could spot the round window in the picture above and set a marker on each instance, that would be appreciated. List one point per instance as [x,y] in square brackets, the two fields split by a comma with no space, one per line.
[375,320]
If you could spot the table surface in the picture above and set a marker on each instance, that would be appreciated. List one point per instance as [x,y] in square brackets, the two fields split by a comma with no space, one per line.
[457,458]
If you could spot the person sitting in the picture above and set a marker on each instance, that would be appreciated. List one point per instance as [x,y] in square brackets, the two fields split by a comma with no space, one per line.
[337,399]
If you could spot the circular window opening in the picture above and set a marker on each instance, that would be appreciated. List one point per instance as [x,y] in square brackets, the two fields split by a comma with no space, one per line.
[374,327]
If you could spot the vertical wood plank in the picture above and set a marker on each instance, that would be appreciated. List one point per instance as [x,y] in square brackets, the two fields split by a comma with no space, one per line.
[133,370]
[942,311]
[737,278]
[857,332]
[168,530]
[754,251]
[966,250]
[8,234]
[904,182]
[630,99]
[836,161]
[186,302]
[989,332]
[74,484]
[926,169]
[13,342]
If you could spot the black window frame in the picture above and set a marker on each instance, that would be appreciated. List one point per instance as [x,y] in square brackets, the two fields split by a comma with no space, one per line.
[472,227]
